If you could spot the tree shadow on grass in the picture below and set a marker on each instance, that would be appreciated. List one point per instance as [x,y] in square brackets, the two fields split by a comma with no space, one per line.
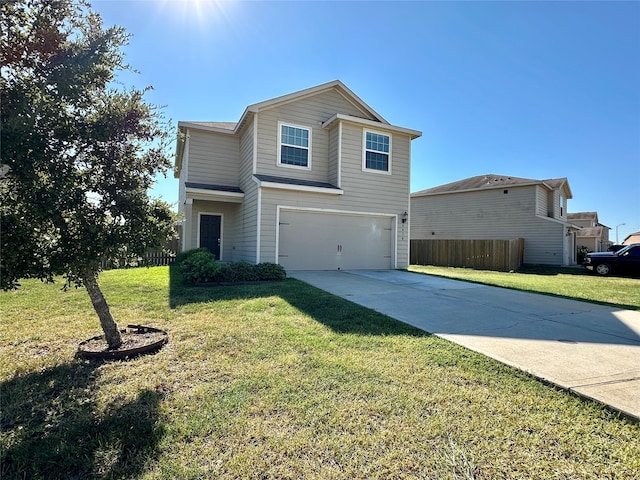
[577,271]
[51,427]
[551,270]
[340,315]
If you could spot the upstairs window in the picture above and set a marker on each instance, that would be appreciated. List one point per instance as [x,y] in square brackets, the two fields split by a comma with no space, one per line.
[295,146]
[377,152]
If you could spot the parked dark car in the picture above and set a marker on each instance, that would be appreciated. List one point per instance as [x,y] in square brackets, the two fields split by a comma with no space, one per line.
[615,248]
[625,261]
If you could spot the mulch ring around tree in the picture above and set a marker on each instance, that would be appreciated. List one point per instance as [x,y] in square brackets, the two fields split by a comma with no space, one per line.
[136,340]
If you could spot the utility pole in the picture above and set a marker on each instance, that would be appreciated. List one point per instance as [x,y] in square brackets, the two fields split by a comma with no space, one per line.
[617,232]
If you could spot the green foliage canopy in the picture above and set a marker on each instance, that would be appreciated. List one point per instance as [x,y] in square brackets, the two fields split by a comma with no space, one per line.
[79,151]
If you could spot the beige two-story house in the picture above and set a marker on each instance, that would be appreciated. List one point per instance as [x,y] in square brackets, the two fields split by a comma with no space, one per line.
[500,207]
[592,234]
[313,180]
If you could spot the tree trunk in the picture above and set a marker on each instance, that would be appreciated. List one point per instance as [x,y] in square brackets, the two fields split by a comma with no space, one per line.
[109,326]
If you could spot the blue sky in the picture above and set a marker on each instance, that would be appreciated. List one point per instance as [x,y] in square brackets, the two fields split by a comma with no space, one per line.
[527,89]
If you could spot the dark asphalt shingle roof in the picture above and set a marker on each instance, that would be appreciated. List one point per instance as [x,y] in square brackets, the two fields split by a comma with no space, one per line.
[488,181]
[294,181]
[219,188]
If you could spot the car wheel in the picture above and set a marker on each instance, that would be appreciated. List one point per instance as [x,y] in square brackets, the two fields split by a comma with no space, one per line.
[603,269]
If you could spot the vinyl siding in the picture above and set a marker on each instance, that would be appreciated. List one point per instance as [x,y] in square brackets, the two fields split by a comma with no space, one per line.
[544,242]
[555,210]
[334,142]
[364,192]
[542,199]
[490,214]
[182,190]
[213,158]
[366,189]
[308,112]
[376,192]
[592,243]
[246,242]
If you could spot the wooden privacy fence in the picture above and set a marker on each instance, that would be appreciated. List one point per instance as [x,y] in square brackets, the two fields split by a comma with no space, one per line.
[153,258]
[158,258]
[500,255]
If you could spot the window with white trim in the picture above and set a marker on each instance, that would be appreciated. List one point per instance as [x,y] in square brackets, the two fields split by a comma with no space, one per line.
[377,152]
[294,147]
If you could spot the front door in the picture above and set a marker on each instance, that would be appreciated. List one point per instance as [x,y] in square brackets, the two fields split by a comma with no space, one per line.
[210,233]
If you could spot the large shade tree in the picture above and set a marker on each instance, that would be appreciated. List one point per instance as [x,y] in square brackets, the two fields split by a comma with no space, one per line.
[79,151]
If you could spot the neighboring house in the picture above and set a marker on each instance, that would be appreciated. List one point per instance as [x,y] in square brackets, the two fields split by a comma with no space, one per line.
[311,180]
[500,207]
[632,238]
[592,234]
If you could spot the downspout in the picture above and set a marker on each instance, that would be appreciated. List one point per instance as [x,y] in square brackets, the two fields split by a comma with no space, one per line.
[255,169]
[340,154]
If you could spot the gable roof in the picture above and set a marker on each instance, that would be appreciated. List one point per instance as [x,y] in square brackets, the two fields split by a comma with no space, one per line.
[335,84]
[583,216]
[231,128]
[493,181]
[598,231]
[219,125]
[632,238]
[368,113]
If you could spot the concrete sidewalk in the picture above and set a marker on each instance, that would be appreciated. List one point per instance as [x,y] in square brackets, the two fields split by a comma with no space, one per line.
[589,349]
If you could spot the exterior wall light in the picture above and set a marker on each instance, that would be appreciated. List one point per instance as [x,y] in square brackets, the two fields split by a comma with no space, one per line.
[404,216]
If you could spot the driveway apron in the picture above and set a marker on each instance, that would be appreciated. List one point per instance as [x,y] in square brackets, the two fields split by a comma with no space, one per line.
[589,349]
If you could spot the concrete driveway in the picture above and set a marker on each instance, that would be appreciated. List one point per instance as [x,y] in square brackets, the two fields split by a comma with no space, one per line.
[592,350]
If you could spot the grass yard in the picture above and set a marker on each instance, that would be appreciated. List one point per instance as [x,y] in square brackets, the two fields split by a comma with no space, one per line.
[277,380]
[564,282]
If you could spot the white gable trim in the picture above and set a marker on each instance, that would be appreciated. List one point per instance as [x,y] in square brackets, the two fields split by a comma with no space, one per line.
[370,124]
[214,195]
[308,92]
[259,225]
[254,170]
[206,128]
[340,155]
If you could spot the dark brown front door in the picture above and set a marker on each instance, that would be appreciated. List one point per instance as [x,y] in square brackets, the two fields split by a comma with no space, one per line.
[210,234]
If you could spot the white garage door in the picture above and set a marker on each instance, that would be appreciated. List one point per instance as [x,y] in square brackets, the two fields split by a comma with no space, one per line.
[323,241]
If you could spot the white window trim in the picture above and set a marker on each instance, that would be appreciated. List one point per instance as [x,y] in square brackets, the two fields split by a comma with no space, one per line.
[364,152]
[302,127]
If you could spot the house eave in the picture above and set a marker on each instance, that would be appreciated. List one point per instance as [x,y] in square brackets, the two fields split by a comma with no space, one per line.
[214,195]
[206,128]
[262,183]
[308,92]
[570,226]
[466,190]
[180,143]
[338,117]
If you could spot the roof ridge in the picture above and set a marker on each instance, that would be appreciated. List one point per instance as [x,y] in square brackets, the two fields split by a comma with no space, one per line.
[488,181]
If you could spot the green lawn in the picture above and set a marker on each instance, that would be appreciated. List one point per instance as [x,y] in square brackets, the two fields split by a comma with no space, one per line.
[565,282]
[277,380]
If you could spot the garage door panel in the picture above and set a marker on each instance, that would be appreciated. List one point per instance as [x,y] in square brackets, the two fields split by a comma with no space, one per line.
[310,250]
[321,241]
